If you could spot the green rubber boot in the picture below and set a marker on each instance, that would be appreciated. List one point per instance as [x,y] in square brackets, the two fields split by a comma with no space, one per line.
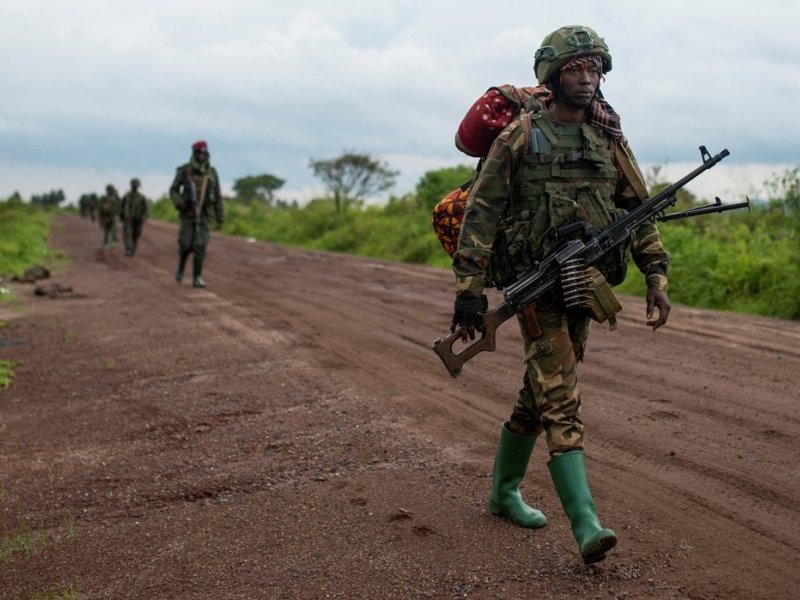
[510,463]
[568,471]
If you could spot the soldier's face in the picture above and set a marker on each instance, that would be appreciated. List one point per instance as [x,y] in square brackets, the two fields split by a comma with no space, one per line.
[200,156]
[579,85]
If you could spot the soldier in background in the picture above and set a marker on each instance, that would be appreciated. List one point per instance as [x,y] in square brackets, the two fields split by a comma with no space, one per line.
[88,205]
[108,209]
[134,211]
[195,192]
[83,205]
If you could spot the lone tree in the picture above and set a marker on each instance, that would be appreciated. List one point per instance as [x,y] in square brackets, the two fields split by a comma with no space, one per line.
[257,187]
[351,177]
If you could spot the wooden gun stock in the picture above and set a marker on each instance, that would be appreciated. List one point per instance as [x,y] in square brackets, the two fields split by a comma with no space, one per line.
[443,346]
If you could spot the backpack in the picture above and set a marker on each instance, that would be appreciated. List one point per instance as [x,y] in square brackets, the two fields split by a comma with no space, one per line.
[484,121]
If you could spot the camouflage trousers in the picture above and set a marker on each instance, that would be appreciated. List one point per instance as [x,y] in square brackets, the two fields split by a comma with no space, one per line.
[132,230]
[109,232]
[191,239]
[549,400]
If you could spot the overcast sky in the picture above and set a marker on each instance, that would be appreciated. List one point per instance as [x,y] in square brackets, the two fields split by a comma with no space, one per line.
[98,91]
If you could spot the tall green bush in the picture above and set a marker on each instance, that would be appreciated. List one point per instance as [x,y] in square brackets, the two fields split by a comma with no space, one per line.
[24,229]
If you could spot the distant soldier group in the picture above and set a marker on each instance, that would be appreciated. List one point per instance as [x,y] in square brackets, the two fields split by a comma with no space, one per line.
[132,210]
[195,192]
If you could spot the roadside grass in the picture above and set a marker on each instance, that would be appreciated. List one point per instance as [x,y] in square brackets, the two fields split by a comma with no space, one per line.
[6,374]
[25,541]
[24,230]
[69,593]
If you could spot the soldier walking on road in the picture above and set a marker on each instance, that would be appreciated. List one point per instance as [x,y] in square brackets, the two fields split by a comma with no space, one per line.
[135,211]
[561,161]
[108,209]
[195,192]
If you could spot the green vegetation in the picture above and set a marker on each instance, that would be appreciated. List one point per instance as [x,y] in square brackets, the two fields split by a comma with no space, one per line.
[25,541]
[257,188]
[24,229]
[738,261]
[6,373]
[69,593]
[352,177]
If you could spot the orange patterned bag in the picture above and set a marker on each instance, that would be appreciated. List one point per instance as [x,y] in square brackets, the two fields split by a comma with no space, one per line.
[447,216]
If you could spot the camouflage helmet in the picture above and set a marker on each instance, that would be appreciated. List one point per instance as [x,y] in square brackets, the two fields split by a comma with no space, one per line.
[135,182]
[564,44]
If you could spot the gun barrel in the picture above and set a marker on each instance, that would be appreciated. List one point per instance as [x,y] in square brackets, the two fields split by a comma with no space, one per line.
[702,210]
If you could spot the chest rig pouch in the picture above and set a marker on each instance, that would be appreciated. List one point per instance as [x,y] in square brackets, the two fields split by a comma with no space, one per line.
[565,175]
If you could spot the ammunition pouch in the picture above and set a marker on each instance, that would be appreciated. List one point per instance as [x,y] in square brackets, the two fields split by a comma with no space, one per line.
[601,304]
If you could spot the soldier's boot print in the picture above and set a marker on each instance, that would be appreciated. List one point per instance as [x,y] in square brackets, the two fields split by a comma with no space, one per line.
[181,266]
[197,273]
[568,471]
[510,463]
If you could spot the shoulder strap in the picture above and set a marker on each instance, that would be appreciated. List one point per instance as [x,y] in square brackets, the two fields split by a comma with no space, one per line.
[630,170]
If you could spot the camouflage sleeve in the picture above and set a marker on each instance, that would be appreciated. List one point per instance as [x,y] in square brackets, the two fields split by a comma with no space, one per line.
[485,206]
[176,189]
[648,252]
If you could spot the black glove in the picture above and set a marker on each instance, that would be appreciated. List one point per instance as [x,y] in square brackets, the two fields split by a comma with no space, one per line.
[468,311]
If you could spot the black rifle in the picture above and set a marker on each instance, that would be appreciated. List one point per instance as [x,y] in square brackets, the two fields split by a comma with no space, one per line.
[544,276]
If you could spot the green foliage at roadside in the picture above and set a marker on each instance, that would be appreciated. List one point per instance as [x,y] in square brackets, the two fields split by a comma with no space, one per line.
[69,593]
[738,261]
[25,541]
[435,185]
[398,231]
[24,230]
[164,210]
[6,374]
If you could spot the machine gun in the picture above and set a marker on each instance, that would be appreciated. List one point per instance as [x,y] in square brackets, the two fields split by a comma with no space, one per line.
[574,255]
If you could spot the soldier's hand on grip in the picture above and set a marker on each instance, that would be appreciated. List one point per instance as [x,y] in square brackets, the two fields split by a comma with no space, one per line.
[468,314]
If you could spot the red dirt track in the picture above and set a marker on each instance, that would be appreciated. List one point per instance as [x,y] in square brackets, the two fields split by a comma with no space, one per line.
[288,433]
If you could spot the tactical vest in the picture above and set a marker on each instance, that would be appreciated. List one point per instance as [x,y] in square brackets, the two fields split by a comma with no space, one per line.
[210,186]
[108,206]
[135,204]
[566,174]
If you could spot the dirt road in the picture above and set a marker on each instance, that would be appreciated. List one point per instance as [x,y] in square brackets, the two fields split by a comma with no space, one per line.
[287,433]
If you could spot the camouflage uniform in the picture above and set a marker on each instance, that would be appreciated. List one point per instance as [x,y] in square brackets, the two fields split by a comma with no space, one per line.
[518,200]
[196,210]
[540,175]
[135,210]
[108,209]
